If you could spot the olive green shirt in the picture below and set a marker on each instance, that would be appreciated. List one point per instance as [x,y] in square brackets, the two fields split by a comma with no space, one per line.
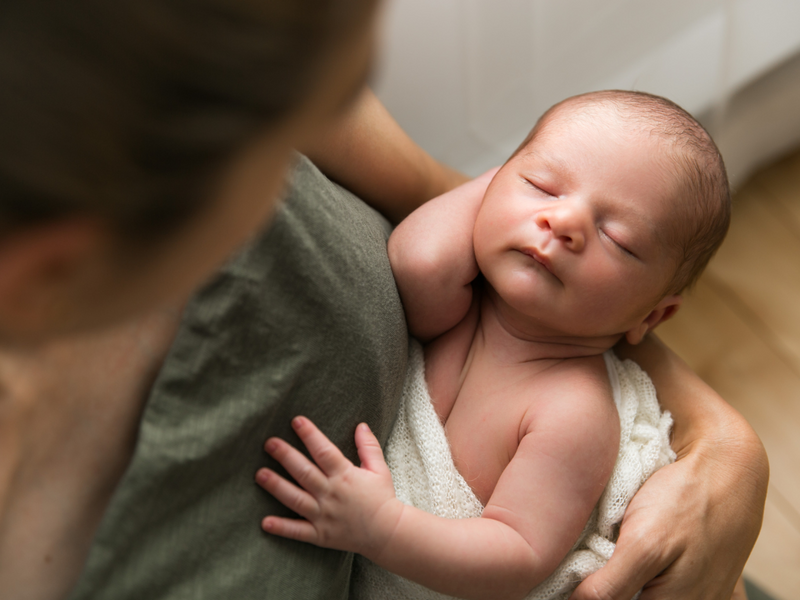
[305,320]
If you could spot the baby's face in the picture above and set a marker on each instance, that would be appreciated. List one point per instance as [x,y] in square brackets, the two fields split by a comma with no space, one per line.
[571,230]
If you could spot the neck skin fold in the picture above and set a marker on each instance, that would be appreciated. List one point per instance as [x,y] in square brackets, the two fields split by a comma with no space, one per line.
[518,338]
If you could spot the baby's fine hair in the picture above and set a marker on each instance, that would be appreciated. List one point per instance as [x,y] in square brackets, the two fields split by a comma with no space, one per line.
[703,198]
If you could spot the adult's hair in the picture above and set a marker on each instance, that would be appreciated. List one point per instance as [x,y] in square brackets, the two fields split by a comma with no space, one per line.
[128,109]
[702,200]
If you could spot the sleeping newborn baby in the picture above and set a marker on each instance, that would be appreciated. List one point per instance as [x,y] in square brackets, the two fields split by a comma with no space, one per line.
[521,437]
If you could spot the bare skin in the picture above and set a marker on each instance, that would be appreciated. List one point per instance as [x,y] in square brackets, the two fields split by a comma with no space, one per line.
[516,376]
[71,393]
[719,485]
[61,458]
[70,408]
[110,362]
[661,559]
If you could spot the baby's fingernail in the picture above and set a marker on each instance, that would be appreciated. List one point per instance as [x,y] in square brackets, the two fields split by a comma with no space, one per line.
[266,524]
[262,475]
[271,446]
[297,422]
[365,427]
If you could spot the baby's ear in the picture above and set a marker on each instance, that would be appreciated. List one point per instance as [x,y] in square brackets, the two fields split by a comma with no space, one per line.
[663,311]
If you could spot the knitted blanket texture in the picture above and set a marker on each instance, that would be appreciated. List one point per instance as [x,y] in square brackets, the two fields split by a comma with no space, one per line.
[425,476]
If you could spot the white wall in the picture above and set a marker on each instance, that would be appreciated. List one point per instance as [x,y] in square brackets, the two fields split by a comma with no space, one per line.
[468,78]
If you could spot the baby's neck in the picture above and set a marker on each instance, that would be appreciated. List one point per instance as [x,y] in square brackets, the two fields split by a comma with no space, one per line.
[520,340]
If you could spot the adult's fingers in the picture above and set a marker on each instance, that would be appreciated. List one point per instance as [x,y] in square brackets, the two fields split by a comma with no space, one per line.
[288,494]
[324,452]
[630,567]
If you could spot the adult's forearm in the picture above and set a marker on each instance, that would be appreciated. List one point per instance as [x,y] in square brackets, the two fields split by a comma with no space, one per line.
[689,531]
[368,153]
[701,415]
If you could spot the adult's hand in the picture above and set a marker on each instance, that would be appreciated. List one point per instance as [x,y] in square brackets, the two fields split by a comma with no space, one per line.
[688,532]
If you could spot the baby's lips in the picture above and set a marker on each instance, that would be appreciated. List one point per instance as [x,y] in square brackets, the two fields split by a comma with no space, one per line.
[538,257]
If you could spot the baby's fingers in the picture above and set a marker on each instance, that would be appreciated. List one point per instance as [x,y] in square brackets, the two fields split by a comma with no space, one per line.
[295,529]
[324,452]
[288,494]
[297,464]
[369,450]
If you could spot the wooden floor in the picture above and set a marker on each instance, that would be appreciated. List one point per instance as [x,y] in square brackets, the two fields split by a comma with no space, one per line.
[740,330]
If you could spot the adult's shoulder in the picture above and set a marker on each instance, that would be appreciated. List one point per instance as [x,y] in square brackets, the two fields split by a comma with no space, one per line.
[304,320]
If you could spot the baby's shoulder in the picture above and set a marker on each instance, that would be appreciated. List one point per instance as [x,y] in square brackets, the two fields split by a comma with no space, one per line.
[580,376]
[578,391]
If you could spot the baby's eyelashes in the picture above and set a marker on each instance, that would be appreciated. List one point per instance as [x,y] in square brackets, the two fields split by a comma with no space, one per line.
[536,187]
[617,243]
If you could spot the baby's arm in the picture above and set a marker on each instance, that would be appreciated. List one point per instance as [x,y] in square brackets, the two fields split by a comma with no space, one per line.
[433,260]
[355,509]
[538,509]
[568,446]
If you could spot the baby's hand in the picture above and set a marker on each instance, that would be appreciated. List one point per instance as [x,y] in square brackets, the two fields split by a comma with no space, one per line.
[345,507]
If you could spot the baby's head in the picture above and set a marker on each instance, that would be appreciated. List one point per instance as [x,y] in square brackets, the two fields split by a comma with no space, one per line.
[701,194]
[610,208]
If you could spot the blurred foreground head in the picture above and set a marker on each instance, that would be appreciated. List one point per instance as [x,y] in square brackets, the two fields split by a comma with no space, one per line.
[142,140]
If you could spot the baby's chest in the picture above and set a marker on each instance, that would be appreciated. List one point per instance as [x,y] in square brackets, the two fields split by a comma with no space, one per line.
[484,429]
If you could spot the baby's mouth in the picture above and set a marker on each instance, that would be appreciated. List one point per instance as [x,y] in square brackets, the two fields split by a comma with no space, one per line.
[541,259]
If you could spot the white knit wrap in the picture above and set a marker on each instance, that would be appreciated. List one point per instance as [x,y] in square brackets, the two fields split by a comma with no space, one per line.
[425,476]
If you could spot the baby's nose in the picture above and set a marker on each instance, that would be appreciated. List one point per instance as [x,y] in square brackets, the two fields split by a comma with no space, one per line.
[567,223]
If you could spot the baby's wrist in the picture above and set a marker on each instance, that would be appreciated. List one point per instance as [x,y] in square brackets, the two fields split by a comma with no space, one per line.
[382,531]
